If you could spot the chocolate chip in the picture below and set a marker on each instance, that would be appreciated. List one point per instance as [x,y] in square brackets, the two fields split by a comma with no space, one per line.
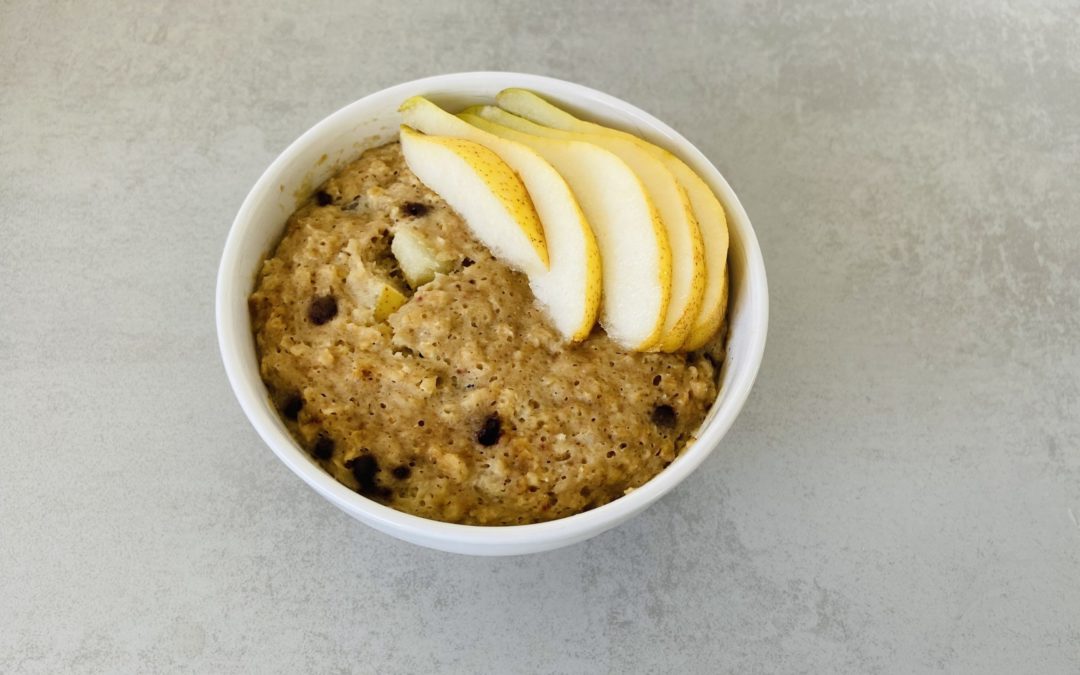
[323,448]
[414,209]
[290,409]
[363,470]
[323,198]
[491,430]
[322,309]
[401,472]
[467,262]
[663,416]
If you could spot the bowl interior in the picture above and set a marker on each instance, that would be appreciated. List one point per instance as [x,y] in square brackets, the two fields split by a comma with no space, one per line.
[374,120]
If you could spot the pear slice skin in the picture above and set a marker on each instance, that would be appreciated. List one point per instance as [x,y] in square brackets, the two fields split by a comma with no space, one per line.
[570,289]
[388,300]
[707,208]
[485,192]
[684,235]
[634,250]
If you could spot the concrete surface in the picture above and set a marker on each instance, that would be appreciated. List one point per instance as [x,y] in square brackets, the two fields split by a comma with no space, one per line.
[901,494]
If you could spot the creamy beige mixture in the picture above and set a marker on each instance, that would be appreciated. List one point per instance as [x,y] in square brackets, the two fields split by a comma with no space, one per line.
[464,404]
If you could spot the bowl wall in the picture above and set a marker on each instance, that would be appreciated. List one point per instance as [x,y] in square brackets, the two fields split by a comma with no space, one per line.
[374,120]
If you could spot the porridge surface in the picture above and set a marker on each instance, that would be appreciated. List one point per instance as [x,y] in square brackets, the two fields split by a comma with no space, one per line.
[464,404]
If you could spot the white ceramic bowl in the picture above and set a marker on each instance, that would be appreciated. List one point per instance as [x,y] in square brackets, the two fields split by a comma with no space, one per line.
[374,120]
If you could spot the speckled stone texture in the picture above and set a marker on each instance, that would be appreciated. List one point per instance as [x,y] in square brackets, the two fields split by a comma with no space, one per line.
[901,493]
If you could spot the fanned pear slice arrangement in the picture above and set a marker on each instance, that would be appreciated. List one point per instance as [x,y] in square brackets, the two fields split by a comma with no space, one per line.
[672,204]
[633,246]
[707,208]
[601,222]
[569,289]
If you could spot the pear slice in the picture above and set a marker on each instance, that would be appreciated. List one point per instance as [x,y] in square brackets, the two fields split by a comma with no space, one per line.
[707,208]
[569,290]
[634,250]
[485,192]
[688,257]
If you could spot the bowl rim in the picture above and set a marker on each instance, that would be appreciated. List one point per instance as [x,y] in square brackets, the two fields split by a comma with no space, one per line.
[497,539]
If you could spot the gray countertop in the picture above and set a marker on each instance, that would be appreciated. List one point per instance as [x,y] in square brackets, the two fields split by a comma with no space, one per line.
[901,493]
